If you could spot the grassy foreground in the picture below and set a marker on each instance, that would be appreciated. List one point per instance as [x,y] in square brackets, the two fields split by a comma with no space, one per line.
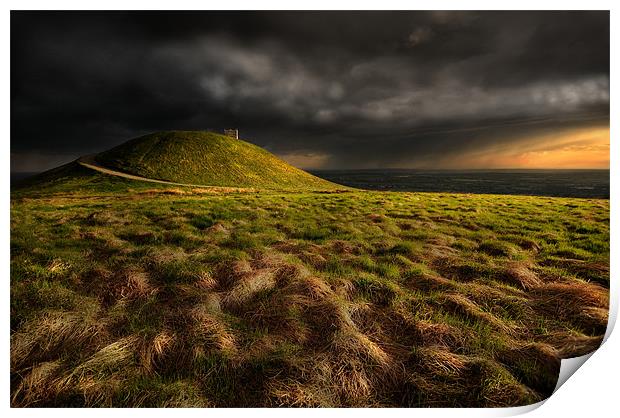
[193,297]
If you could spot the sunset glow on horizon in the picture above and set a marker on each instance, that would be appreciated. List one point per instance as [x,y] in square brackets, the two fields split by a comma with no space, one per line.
[578,148]
[573,148]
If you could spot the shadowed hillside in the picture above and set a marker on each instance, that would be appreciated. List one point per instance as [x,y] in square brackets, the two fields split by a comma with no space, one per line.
[207,158]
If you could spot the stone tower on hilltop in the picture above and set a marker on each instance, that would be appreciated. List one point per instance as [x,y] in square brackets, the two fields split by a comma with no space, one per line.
[233,133]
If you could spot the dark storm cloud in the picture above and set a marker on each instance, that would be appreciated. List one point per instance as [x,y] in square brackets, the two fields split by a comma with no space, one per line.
[354,88]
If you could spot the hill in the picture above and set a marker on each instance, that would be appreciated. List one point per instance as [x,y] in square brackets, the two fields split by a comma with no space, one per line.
[207,158]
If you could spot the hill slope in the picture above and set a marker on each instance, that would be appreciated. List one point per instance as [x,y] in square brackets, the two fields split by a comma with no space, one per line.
[206,158]
[74,178]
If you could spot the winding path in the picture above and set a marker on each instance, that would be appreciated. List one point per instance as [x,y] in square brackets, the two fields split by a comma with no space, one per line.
[88,161]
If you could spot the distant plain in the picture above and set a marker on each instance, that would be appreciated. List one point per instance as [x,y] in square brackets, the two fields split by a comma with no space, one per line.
[558,183]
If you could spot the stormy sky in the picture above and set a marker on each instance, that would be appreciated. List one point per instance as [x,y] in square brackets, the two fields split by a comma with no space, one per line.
[319,89]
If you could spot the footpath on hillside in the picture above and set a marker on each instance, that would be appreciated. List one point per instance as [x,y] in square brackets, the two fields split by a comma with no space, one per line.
[88,161]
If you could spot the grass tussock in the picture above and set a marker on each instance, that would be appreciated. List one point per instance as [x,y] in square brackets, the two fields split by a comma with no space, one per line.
[520,275]
[52,334]
[583,305]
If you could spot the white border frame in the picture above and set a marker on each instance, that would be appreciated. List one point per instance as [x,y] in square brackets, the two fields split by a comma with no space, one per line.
[592,392]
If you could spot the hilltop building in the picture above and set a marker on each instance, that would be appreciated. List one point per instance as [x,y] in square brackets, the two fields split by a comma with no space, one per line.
[233,133]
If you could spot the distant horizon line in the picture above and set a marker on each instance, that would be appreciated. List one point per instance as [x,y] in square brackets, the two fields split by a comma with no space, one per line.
[402,168]
[459,169]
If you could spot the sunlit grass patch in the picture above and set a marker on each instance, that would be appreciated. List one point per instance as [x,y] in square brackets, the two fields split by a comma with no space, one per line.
[301,299]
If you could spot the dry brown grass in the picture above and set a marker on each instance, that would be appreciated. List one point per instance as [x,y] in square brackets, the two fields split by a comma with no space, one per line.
[441,362]
[349,368]
[138,285]
[195,190]
[461,305]
[500,388]
[57,266]
[167,254]
[113,356]
[206,281]
[212,331]
[96,378]
[429,283]
[37,384]
[439,334]
[343,247]
[435,251]
[152,350]
[585,305]
[520,275]
[354,344]
[569,345]
[165,191]
[293,394]
[252,283]
[350,371]
[314,287]
[218,228]
[46,337]
[522,359]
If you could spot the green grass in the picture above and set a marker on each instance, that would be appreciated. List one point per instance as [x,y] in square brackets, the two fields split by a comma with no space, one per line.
[132,294]
[207,158]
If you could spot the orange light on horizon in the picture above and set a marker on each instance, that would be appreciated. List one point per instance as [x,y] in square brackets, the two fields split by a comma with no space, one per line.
[578,148]
[568,148]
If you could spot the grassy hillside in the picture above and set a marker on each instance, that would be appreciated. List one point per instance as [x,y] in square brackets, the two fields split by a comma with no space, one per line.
[73,178]
[207,158]
[171,297]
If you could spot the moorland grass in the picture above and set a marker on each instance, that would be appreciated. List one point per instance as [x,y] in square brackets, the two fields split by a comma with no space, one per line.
[126,294]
